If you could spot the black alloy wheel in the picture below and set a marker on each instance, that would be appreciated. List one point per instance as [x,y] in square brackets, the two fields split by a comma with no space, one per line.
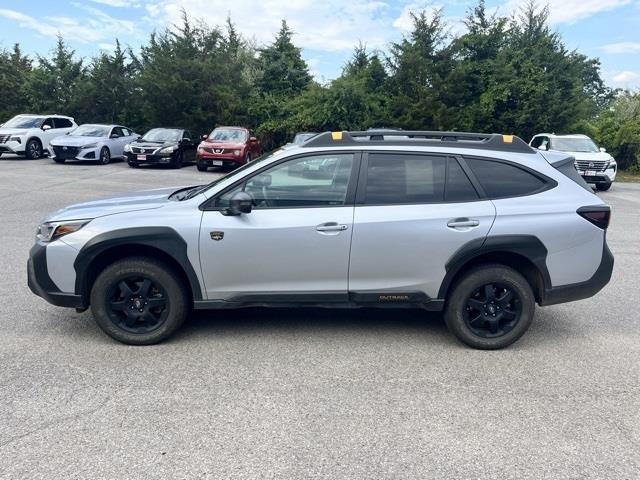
[490,306]
[492,310]
[137,305]
[139,300]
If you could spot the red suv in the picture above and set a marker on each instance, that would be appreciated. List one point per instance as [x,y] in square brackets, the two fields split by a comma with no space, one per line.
[227,147]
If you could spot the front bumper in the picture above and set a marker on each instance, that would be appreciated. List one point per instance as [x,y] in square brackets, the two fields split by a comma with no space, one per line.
[219,160]
[134,158]
[608,176]
[14,147]
[40,282]
[73,153]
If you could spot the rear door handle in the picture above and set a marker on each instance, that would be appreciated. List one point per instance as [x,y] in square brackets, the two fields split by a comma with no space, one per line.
[331,227]
[462,223]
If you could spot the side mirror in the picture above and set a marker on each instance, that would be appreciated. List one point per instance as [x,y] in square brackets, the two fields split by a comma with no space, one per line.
[602,149]
[239,203]
[46,127]
[204,136]
[114,135]
[253,139]
[186,140]
[543,147]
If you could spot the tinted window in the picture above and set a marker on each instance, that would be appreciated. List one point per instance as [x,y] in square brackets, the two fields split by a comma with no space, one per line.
[535,143]
[320,180]
[504,180]
[458,188]
[49,122]
[63,123]
[126,131]
[117,131]
[398,178]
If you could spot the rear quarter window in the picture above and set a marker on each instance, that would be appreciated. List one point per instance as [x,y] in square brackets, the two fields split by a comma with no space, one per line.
[499,179]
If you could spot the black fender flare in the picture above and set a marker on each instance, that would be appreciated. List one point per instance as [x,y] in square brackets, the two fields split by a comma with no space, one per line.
[165,239]
[527,246]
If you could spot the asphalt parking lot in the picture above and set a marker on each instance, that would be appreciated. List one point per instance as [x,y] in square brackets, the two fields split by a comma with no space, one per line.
[308,393]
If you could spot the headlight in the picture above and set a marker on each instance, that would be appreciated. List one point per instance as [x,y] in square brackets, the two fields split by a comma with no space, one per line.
[15,139]
[236,152]
[167,150]
[50,231]
[91,145]
[127,147]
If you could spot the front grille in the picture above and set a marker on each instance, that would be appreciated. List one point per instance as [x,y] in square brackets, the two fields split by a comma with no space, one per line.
[4,138]
[596,165]
[66,152]
[218,151]
[143,150]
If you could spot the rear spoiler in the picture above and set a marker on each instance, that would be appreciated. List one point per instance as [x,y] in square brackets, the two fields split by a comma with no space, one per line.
[565,164]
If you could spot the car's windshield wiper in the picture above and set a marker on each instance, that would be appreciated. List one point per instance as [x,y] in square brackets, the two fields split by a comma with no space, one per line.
[183,193]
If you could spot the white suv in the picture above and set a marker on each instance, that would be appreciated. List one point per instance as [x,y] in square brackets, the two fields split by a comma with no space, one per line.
[594,164]
[29,135]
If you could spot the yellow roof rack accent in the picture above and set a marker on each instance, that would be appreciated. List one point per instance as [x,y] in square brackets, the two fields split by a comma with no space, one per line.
[507,138]
[336,135]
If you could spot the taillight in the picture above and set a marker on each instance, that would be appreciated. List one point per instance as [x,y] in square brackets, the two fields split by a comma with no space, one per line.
[599,215]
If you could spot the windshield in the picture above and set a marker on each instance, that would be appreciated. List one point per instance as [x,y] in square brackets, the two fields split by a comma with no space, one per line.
[163,135]
[23,121]
[91,131]
[302,137]
[573,145]
[228,135]
[237,171]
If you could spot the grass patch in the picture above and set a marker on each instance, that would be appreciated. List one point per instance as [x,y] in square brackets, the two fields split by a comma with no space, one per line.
[628,176]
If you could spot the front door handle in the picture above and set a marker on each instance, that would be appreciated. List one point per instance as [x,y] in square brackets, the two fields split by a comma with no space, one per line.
[462,223]
[331,227]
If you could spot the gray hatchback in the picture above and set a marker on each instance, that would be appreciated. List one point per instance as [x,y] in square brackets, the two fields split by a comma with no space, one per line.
[479,226]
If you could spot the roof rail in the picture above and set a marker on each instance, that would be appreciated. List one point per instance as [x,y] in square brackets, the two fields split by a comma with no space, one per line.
[485,141]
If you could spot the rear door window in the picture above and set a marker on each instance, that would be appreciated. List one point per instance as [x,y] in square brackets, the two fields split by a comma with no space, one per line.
[394,179]
[501,180]
[63,123]
[458,186]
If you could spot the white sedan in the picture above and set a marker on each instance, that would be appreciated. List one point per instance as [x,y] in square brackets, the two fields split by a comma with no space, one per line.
[92,142]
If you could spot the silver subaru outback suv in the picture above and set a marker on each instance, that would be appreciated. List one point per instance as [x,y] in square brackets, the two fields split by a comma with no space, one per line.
[481,227]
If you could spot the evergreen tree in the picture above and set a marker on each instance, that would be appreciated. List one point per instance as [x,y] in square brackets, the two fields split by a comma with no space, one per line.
[283,71]
[15,69]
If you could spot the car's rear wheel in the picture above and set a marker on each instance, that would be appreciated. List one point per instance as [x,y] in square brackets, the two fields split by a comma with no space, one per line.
[105,156]
[603,187]
[200,167]
[490,307]
[139,301]
[33,149]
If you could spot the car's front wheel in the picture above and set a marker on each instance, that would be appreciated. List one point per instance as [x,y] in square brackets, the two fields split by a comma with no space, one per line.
[490,307]
[139,301]
[33,149]
[201,167]
[176,162]
[105,156]
[603,187]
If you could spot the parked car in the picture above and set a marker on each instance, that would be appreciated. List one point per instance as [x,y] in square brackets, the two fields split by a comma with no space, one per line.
[227,147]
[29,135]
[478,226]
[594,164]
[168,146]
[93,142]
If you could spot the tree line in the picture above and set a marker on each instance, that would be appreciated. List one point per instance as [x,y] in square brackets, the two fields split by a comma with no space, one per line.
[503,74]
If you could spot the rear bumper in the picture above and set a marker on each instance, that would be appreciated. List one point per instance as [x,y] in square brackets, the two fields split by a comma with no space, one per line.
[582,290]
[40,282]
